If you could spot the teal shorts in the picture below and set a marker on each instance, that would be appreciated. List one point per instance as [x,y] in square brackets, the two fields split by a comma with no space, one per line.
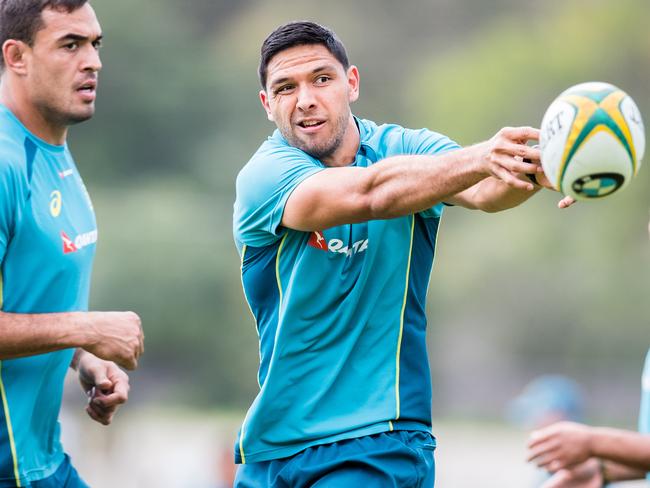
[399,459]
[64,477]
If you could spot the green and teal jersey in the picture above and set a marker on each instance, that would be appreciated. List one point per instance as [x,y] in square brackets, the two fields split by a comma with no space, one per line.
[47,244]
[340,312]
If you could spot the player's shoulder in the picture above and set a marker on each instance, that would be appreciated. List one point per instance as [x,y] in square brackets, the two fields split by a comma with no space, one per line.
[12,144]
[12,153]
[274,155]
[381,136]
[388,139]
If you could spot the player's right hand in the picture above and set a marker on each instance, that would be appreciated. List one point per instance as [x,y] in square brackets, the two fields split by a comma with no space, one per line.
[502,156]
[116,336]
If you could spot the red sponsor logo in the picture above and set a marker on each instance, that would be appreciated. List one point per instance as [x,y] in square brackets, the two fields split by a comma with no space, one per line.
[81,241]
[68,245]
[317,240]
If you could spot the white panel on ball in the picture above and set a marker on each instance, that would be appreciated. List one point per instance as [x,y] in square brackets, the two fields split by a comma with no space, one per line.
[554,132]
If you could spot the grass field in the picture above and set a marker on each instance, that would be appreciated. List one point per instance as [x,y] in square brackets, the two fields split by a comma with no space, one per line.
[169,448]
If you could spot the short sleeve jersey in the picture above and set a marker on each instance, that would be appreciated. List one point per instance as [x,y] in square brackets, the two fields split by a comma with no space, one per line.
[47,243]
[340,312]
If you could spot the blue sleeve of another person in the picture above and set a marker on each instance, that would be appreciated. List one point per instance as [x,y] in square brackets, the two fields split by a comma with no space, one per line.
[644,413]
[424,141]
[263,188]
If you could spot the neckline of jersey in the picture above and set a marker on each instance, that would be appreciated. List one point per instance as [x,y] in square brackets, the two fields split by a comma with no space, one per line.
[37,140]
[364,135]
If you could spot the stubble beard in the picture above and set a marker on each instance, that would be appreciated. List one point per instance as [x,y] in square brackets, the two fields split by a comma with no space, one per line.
[66,118]
[324,149]
[58,114]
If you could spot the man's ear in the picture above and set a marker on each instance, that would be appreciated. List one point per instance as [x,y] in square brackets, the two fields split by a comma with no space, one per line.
[264,98]
[14,53]
[353,84]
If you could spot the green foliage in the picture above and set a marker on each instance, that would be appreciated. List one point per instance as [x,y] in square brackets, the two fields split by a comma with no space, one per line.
[510,70]
[166,251]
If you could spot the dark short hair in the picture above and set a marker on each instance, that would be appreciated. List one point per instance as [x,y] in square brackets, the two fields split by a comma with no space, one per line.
[21,19]
[299,33]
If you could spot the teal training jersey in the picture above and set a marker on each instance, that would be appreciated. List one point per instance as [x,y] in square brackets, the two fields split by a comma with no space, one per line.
[644,412]
[340,312]
[47,243]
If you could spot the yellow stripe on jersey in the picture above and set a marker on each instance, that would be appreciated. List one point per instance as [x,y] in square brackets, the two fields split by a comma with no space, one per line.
[5,404]
[277,272]
[243,255]
[279,281]
[401,323]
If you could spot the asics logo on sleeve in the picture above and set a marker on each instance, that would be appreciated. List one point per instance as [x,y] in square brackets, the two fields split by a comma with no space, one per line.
[317,240]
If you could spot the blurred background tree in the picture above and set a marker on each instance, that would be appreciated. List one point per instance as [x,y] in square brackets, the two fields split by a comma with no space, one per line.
[530,291]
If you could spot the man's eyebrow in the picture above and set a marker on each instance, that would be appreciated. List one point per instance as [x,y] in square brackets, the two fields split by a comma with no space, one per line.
[279,81]
[319,69]
[78,37]
[325,67]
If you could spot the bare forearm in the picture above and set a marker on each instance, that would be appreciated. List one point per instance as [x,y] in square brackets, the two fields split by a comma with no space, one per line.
[621,472]
[492,195]
[113,336]
[626,447]
[29,334]
[406,184]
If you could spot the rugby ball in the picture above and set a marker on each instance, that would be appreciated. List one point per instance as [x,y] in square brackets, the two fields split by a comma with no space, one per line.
[592,141]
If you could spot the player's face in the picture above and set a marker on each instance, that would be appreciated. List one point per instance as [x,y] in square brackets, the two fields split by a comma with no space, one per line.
[308,95]
[62,66]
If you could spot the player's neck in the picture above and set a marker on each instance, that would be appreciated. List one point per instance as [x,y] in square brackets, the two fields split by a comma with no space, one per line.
[30,116]
[346,153]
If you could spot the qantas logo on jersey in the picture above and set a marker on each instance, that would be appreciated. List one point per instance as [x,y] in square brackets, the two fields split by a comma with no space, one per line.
[317,240]
[79,242]
[65,173]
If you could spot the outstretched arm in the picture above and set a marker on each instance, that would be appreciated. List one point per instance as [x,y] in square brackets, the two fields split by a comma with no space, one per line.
[401,185]
[566,444]
[593,473]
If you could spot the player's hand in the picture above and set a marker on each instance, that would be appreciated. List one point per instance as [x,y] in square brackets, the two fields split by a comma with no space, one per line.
[584,475]
[503,156]
[544,182]
[559,446]
[106,386]
[541,179]
[117,337]
[566,202]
